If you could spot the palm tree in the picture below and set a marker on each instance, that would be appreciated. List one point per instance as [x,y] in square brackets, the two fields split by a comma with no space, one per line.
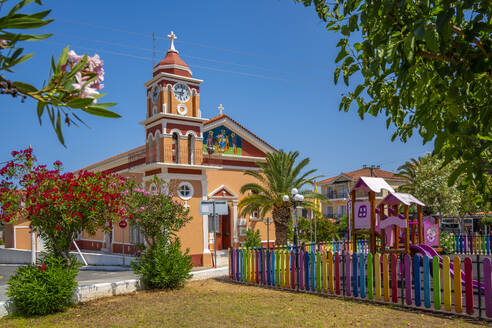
[408,171]
[276,178]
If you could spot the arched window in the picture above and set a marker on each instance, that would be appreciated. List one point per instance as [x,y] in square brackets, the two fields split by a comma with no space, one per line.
[191,149]
[151,149]
[158,147]
[175,147]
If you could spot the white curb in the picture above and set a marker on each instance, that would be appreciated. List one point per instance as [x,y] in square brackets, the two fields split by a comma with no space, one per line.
[95,291]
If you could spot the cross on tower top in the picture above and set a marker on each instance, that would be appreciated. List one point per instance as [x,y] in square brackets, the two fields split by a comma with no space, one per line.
[172,37]
[220,108]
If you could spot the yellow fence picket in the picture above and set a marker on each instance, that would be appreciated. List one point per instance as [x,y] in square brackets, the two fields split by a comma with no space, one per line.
[386,277]
[377,275]
[446,283]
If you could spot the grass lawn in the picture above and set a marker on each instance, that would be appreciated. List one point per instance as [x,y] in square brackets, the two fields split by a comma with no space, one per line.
[212,303]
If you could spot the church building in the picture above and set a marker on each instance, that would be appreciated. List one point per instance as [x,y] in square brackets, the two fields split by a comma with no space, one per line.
[200,158]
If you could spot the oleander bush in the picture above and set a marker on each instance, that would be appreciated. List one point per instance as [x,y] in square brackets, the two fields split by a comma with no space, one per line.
[44,288]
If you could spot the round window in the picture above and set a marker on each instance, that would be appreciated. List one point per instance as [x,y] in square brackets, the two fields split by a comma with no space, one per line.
[185,190]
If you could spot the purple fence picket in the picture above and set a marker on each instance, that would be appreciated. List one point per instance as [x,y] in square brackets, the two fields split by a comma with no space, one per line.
[408,282]
[487,276]
[468,285]
[337,273]
[301,270]
[263,266]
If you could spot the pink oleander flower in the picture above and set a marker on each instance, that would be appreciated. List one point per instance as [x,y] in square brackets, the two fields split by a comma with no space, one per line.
[94,66]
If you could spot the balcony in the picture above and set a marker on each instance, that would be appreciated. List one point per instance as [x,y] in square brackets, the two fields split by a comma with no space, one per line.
[336,194]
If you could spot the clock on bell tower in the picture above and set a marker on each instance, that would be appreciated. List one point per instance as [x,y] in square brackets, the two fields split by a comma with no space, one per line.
[173,90]
[173,124]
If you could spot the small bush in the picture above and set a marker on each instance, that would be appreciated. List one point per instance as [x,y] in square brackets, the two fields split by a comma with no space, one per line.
[44,288]
[447,243]
[163,266]
[253,238]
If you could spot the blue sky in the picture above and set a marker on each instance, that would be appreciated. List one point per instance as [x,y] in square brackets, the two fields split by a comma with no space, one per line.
[270,63]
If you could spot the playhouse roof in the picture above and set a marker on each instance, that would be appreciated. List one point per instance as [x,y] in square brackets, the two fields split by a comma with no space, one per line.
[397,198]
[372,184]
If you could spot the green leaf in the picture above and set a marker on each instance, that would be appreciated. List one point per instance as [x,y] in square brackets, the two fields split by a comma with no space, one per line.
[342,54]
[40,109]
[487,138]
[79,102]
[98,111]
[358,90]
[456,173]
[443,19]
[23,37]
[420,30]
[409,47]
[63,58]
[23,58]
[58,129]
[336,74]
[24,87]
[431,40]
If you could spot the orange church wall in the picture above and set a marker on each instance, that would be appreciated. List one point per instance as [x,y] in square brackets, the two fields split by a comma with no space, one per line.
[234,180]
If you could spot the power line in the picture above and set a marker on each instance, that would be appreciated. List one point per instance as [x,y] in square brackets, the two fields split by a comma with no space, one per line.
[275,58]
[123,45]
[197,66]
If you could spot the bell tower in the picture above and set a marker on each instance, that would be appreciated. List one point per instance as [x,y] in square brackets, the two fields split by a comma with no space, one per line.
[173,124]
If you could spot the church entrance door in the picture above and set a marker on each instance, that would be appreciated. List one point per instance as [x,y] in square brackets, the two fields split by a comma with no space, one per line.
[224,233]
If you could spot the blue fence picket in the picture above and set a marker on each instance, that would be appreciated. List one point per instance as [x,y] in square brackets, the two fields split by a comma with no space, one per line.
[362,275]
[426,273]
[355,277]
[416,279]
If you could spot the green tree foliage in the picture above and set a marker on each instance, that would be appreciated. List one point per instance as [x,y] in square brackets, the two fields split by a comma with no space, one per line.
[427,180]
[253,238]
[326,230]
[426,66]
[161,265]
[73,81]
[276,178]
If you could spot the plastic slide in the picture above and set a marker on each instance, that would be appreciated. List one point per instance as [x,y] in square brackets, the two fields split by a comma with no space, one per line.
[431,252]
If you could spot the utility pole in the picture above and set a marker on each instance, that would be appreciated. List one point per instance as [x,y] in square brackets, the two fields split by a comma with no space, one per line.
[153,49]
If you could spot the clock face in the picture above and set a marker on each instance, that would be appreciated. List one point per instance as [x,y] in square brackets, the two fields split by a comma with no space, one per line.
[155,94]
[181,92]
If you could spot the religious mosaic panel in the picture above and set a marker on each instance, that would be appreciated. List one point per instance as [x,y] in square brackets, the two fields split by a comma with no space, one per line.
[223,141]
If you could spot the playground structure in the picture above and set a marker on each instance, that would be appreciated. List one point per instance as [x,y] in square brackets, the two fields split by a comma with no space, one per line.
[398,233]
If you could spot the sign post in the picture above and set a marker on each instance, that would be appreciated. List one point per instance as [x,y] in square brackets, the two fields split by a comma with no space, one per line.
[123,225]
[214,208]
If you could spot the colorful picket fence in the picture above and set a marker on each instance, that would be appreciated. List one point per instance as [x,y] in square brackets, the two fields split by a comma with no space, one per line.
[473,244]
[334,246]
[404,280]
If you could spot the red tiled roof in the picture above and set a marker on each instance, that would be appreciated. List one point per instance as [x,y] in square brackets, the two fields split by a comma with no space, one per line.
[123,153]
[364,172]
[172,58]
[216,118]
